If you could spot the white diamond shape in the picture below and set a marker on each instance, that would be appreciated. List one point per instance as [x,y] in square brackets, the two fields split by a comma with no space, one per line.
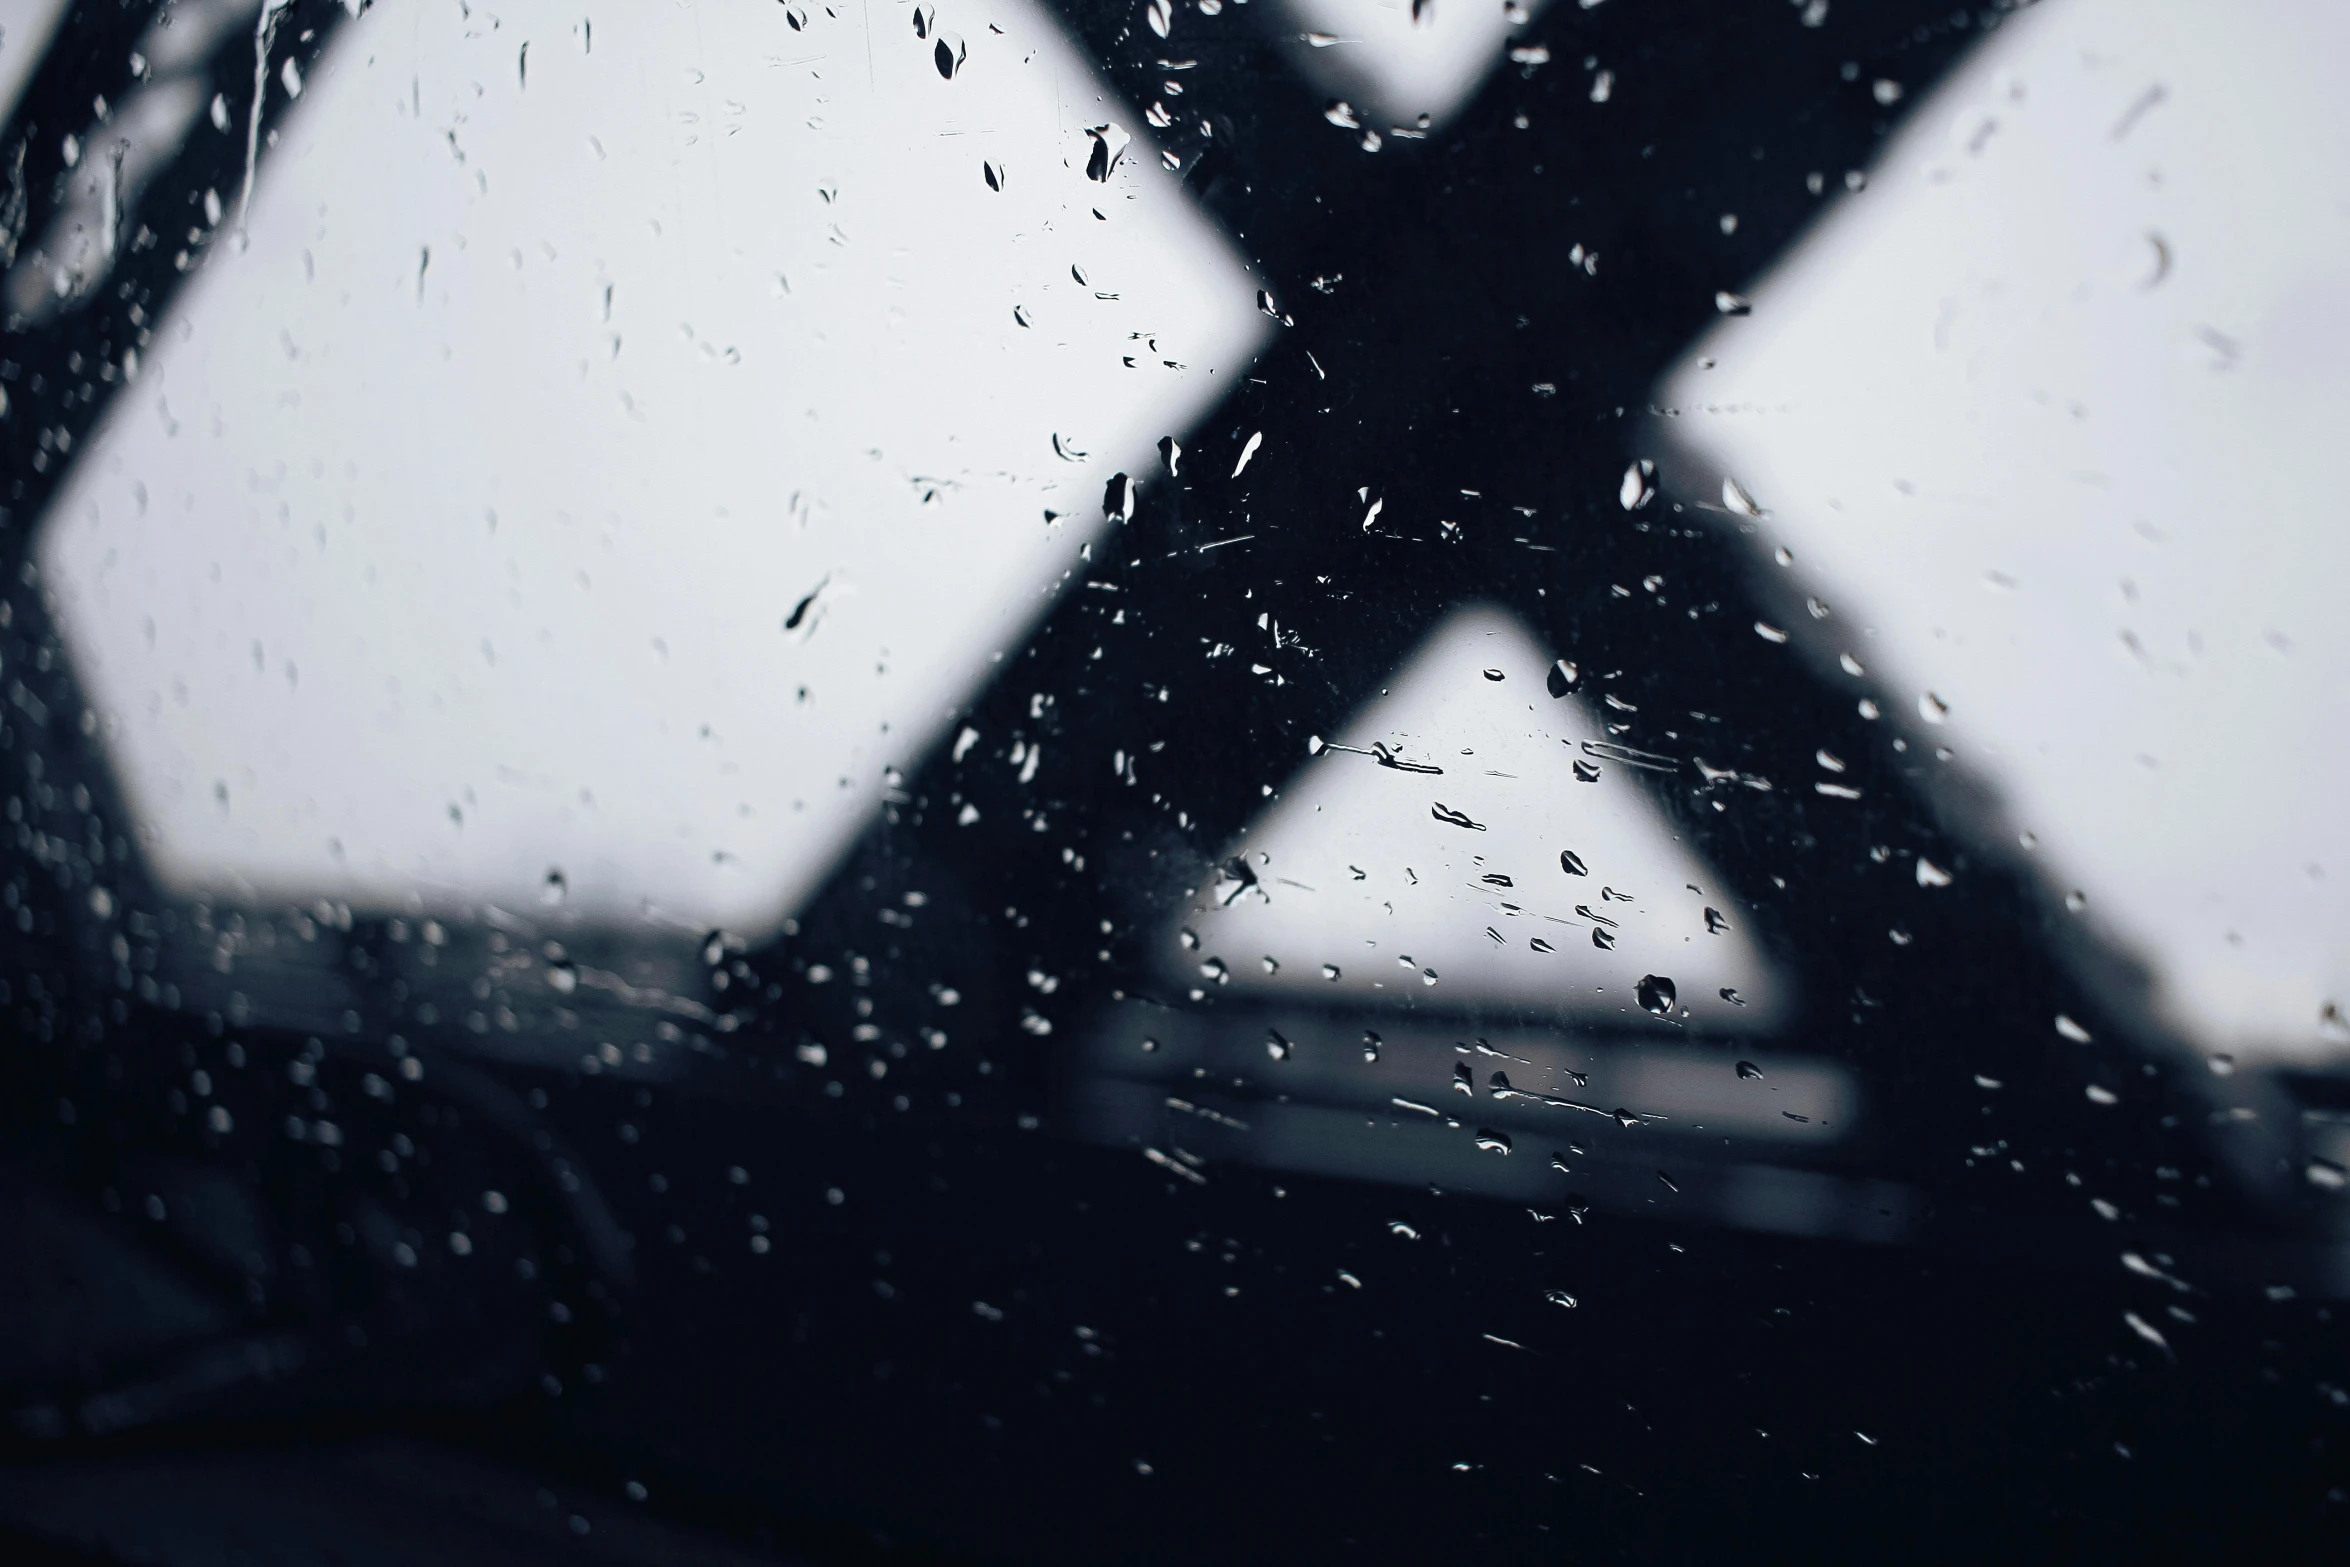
[1421,901]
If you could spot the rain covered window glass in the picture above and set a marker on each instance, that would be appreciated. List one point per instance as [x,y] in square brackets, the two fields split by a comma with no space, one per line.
[1173,779]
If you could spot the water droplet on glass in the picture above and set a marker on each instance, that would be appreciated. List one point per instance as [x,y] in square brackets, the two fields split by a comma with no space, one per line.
[1214,969]
[2327,1174]
[1248,449]
[1563,677]
[1730,304]
[924,15]
[1560,1298]
[1930,874]
[1452,818]
[562,978]
[1493,674]
[1539,945]
[993,173]
[1572,863]
[1749,1072]
[1276,1046]
[1731,995]
[1734,496]
[1397,1227]
[1170,453]
[551,890]
[1109,147]
[1371,1044]
[1656,994]
[1342,114]
[1161,16]
[1118,499]
[1585,772]
[1932,708]
[1492,1141]
[1463,1080]
[1639,486]
[948,55]
[1330,972]
[2071,1030]
[1265,304]
[1715,922]
[1602,940]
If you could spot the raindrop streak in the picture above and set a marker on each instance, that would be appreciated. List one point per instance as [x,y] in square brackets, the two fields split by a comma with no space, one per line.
[1450,817]
[264,35]
[1387,758]
[1248,450]
[799,611]
[1656,995]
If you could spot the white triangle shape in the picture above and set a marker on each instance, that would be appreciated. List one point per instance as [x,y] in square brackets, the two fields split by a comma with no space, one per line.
[1363,892]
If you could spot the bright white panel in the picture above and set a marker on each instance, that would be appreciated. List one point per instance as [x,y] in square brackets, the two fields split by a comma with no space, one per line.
[1356,868]
[450,532]
[2051,416]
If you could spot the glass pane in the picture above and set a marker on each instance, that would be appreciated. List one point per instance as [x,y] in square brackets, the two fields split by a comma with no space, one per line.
[1173,781]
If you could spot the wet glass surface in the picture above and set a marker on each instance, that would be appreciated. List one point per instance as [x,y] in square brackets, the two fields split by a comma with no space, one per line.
[1274,779]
